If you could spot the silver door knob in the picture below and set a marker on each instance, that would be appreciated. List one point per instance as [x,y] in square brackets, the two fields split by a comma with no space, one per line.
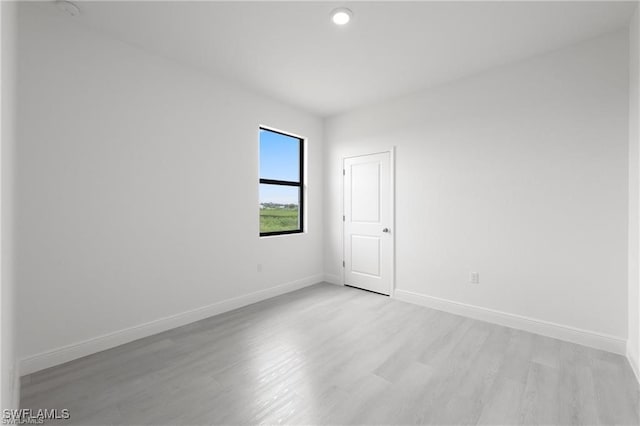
[385,230]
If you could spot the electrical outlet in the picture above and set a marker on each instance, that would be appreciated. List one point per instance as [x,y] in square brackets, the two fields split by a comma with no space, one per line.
[474,278]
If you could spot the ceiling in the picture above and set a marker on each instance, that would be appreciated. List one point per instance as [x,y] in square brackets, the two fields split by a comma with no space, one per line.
[291,51]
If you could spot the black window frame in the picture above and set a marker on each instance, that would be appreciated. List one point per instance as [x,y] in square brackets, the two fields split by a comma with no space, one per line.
[299,184]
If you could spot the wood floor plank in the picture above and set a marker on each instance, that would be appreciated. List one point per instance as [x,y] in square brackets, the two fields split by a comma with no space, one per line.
[503,408]
[337,355]
[576,391]
[540,403]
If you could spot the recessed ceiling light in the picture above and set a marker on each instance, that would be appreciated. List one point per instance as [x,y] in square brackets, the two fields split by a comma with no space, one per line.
[68,7]
[341,15]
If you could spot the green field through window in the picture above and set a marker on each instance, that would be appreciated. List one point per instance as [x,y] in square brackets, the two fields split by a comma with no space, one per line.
[275,219]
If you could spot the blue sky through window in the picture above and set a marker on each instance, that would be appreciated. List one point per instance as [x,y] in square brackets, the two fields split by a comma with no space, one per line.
[279,160]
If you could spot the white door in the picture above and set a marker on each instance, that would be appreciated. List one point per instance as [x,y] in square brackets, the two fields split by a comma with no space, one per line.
[368,241]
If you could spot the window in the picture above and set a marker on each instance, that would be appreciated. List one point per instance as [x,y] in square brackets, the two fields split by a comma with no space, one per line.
[281,183]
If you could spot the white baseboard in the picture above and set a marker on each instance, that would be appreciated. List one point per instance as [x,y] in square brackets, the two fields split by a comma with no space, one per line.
[73,351]
[571,334]
[632,358]
[333,279]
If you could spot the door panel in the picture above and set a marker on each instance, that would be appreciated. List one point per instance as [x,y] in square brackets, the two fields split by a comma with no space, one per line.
[368,250]
[365,192]
[365,255]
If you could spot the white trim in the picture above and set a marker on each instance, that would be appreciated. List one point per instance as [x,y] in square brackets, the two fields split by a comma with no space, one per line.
[333,279]
[558,331]
[631,357]
[392,197]
[73,351]
[343,272]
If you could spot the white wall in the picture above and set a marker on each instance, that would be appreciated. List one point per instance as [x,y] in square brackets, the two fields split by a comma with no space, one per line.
[137,178]
[9,388]
[137,189]
[518,173]
[633,348]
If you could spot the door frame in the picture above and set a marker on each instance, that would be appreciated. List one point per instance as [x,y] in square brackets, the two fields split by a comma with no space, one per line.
[392,199]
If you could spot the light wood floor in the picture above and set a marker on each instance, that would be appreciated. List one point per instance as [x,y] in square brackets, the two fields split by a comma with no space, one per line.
[337,355]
